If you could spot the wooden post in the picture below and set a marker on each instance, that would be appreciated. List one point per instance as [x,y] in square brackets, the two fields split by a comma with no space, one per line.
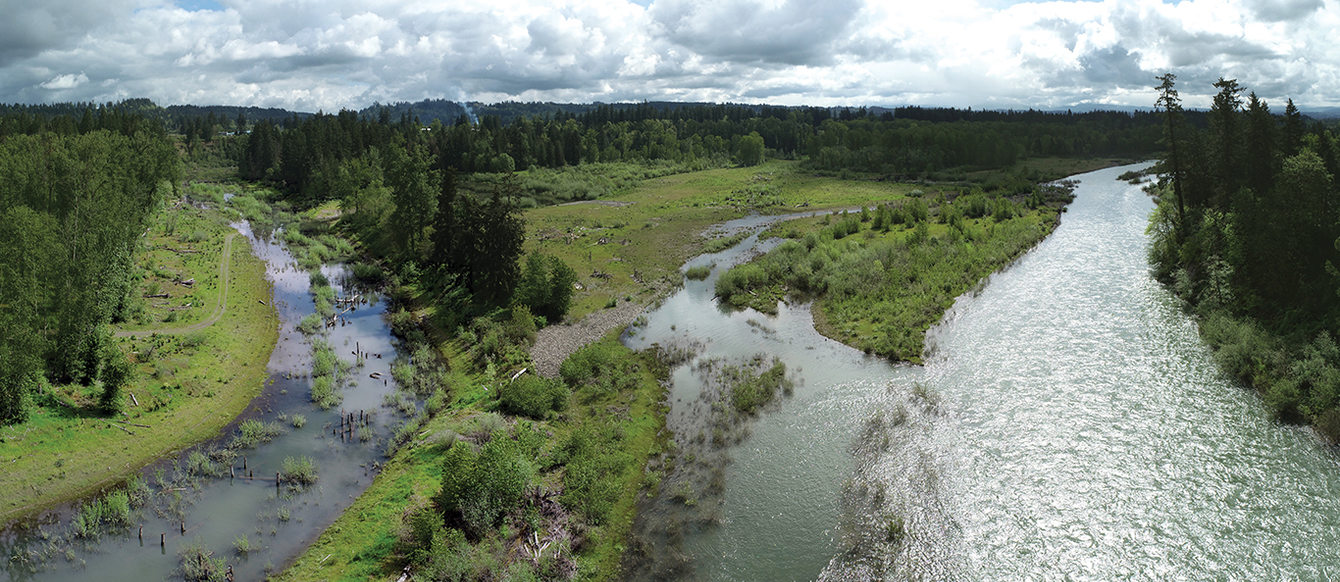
[244,462]
[141,533]
[183,528]
[162,539]
[276,480]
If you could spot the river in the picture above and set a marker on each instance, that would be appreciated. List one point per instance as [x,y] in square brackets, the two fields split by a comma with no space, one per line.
[1068,424]
[215,511]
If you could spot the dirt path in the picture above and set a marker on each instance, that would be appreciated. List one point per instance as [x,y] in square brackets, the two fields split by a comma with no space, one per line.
[220,307]
[555,343]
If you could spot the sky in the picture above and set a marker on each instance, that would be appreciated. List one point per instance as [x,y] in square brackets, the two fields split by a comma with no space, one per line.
[309,55]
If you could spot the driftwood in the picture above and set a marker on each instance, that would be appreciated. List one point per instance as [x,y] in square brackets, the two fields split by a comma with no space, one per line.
[123,428]
[134,400]
[188,282]
[133,424]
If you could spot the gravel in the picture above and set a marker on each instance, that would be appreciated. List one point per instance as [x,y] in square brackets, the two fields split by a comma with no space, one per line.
[555,343]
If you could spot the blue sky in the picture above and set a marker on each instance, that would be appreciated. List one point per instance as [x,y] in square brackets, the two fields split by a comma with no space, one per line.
[332,54]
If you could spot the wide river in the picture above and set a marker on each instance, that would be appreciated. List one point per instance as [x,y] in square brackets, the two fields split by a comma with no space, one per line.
[1069,424]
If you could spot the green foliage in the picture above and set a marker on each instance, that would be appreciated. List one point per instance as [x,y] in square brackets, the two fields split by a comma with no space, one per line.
[299,472]
[594,469]
[751,150]
[533,396]
[73,208]
[117,372]
[1245,232]
[200,565]
[589,363]
[252,432]
[750,392]
[479,488]
[546,286]
[698,273]
[881,291]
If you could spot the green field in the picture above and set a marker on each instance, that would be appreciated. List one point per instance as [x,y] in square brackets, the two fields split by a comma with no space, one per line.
[651,231]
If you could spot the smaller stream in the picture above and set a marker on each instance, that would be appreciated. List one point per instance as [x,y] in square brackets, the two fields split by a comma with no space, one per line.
[278,523]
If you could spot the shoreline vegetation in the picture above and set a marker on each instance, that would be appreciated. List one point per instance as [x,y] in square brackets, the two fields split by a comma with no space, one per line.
[1245,234]
[188,386]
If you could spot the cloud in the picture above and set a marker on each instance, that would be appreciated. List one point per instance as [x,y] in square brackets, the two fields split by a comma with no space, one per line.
[348,53]
[67,81]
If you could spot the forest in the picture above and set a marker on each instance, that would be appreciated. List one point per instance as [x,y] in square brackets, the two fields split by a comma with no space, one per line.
[1247,231]
[74,204]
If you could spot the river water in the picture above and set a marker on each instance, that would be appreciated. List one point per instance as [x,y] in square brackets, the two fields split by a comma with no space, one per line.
[1068,424]
[216,511]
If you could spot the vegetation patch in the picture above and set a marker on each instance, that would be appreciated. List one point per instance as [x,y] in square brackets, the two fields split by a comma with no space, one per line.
[882,277]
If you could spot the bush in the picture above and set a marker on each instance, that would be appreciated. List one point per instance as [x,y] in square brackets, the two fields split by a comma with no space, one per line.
[750,392]
[252,432]
[699,272]
[546,286]
[299,471]
[200,565]
[533,396]
[367,273]
[116,373]
[587,363]
[595,461]
[478,489]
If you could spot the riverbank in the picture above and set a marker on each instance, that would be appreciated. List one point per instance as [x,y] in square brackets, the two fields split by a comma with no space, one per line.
[187,386]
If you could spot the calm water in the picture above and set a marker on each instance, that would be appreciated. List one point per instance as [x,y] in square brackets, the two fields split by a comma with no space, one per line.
[221,509]
[1069,425]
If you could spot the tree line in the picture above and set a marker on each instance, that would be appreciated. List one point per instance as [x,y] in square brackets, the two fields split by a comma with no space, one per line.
[75,196]
[1246,231]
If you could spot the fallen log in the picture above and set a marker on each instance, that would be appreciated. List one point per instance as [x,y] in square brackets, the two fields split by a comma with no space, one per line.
[157,296]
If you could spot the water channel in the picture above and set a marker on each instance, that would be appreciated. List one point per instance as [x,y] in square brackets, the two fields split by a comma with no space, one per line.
[1068,424]
[215,511]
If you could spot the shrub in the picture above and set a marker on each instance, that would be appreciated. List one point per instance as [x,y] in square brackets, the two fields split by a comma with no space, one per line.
[200,565]
[753,392]
[587,363]
[699,272]
[299,471]
[478,489]
[252,432]
[533,396]
[367,273]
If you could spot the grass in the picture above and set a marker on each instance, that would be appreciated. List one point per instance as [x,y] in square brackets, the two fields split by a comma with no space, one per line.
[880,289]
[188,387]
[698,273]
[663,220]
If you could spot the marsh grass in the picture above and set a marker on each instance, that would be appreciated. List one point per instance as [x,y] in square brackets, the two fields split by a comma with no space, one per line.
[699,272]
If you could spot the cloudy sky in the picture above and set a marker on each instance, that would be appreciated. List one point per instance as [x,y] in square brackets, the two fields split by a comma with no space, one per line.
[330,54]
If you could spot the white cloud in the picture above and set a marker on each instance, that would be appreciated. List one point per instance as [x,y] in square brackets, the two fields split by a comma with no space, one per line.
[347,53]
[67,81]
